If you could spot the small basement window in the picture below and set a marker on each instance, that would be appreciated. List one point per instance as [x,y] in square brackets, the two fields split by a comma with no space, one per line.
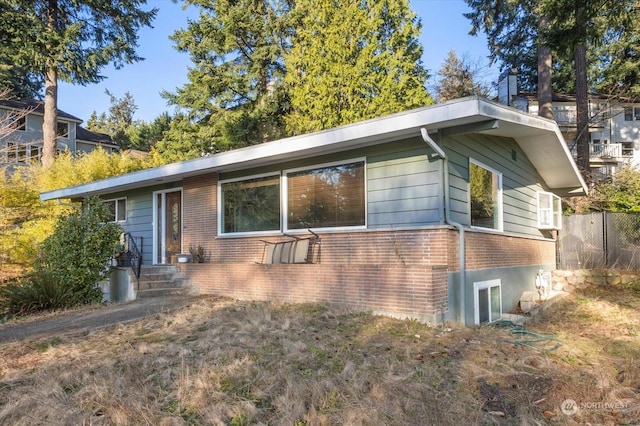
[549,211]
[487,301]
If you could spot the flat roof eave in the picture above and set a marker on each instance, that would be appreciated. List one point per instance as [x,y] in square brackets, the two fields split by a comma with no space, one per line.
[525,128]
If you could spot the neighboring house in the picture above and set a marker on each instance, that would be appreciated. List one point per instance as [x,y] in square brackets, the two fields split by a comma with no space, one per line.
[614,127]
[447,211]
[24,143]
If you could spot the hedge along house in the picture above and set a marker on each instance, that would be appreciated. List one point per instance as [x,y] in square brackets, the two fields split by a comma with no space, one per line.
[443,212]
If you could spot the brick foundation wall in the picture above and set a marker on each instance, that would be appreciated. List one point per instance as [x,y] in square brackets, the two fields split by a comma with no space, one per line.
[409,291]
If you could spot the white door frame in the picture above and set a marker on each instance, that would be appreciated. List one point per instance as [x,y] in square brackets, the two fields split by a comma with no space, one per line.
[158,224]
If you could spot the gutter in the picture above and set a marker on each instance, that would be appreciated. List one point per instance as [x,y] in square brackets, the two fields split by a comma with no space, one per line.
[447,212]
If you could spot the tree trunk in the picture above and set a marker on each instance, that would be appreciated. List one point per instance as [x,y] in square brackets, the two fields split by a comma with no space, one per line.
[545,93]
[582,100]
[50,121]
[49,124]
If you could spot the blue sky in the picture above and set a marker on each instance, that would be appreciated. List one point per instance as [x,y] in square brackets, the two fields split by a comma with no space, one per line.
[443,29]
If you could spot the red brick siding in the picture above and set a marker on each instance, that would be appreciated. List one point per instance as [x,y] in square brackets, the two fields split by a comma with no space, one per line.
[485,250]
[200,220]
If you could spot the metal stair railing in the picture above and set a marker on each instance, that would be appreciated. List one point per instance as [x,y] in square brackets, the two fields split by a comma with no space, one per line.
[135,252]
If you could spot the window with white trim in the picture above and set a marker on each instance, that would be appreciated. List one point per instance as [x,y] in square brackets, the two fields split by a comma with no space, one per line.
[20,123]
[62,129]
[117,208]
[328,196]
[485,191]
[250,204]
[321,196]
[549,211]
[487,297]
[22,153]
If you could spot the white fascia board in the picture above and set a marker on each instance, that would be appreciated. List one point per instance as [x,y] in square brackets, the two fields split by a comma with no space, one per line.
[362,134]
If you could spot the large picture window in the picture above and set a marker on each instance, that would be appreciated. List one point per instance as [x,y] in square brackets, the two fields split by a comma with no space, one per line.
[250,205]
[326,197]
[485,188]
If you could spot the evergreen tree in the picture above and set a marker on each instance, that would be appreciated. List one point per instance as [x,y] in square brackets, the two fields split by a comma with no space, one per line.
[235,94]
[351,61]
[185,140]
[119,122]
[144,136]
[18,83]
[578,33]
[70,40]
[517,29]
[457,79]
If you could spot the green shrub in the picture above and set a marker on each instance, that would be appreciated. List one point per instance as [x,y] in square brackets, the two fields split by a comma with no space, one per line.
[37,291]
[73,259]
[78,251]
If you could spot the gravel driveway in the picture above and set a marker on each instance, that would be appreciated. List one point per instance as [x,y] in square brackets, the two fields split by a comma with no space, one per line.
[89,319]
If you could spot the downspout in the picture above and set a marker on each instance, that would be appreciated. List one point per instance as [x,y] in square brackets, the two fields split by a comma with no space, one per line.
[447,217]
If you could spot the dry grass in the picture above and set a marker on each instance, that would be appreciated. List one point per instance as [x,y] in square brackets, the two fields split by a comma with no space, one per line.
[238,363]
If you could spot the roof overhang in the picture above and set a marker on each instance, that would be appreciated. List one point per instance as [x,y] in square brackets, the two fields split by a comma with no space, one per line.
[539,138]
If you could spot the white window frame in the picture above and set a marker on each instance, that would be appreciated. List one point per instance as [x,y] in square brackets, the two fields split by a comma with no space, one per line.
[500,203]
[284,213]
[552,209]
[20,117]
[221,208]
[285,195]
[60,134]
[628,112]
[21,153]
[481,285]
[117,201]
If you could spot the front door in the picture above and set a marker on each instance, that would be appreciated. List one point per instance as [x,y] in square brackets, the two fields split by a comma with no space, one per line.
[168,226]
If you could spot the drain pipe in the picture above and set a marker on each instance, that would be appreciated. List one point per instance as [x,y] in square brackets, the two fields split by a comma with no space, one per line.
[449,221]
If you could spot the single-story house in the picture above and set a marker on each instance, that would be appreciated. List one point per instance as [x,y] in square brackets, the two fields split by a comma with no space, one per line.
[443,212]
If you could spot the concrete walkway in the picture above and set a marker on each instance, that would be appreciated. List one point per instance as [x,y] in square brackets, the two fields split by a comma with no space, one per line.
[86,320]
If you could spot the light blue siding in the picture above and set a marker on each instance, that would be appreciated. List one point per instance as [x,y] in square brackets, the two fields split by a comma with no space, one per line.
[139,221]
[403,187]
[520,180]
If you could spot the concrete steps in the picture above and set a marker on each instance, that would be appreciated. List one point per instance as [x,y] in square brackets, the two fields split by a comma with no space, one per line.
[163,280]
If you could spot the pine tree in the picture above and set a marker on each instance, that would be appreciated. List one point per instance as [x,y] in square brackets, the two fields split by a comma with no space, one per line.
[457,79]
[351,61]
[235,94]
[70,40]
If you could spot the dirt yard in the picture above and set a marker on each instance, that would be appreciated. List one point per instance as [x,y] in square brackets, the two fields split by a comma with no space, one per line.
[225,362]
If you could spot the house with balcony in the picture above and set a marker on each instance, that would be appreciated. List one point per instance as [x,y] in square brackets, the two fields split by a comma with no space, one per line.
[21,140]
[614,125]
